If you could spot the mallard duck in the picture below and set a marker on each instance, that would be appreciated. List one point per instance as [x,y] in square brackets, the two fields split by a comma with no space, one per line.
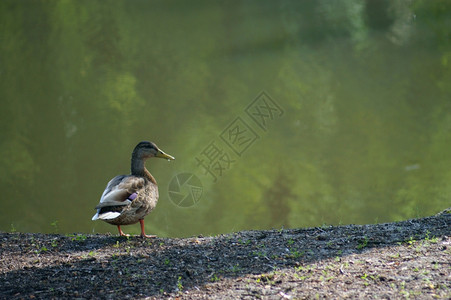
[127,199]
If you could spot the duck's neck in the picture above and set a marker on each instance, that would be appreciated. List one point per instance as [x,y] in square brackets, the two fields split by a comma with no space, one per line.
[139,169]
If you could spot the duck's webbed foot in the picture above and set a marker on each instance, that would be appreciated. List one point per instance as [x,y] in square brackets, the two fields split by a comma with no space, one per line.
[121,233]
[143,234]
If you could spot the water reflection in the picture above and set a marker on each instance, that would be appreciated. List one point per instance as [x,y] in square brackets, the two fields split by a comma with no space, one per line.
[363,138]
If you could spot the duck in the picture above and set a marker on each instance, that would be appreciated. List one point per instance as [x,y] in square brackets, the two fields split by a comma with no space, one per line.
[127,199]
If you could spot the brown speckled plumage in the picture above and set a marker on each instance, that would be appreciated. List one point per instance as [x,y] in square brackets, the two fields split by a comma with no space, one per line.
[127,199]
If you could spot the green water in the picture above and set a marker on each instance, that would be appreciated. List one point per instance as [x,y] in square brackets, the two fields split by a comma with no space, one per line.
[279,113]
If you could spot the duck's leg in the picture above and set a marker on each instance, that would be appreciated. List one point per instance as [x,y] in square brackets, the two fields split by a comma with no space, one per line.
[120,231]
[143,234]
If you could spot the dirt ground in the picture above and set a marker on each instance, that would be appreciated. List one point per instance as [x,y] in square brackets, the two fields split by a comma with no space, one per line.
[410,259]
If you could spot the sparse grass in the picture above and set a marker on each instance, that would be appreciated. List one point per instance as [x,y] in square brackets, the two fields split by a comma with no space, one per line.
[295,253]
[42,249]
[430,239]
[266,278]
[179,284]
[271,266]
[247,242]
[410,241]
[91,253]
[363,243]
[77,237]
[236,268]
[214,278]
[258,254]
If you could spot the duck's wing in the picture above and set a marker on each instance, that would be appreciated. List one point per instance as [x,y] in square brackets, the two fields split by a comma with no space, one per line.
[119,192]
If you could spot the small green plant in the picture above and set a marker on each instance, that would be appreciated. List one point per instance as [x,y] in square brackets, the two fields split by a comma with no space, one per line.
[54,224]
[166,261]
[299,269]
[268,278]
[300,277]
[324,277]
[247,242]
[258,253]
[403,284]
[295,253]
[410,241]
[365,278]
[40,250]
[13,228]
[179,284]
[432,239]
[77,237]
[214,278]
[81,237]
[236,268]
[363,243]
[290,242]
[92,253]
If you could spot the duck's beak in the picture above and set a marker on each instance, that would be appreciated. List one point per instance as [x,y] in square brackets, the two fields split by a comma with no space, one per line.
[161,154]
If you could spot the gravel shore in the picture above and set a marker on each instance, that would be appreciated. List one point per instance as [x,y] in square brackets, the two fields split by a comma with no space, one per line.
[409,259]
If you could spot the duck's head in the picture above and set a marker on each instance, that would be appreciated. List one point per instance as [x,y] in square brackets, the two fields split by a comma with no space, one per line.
[147,149]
